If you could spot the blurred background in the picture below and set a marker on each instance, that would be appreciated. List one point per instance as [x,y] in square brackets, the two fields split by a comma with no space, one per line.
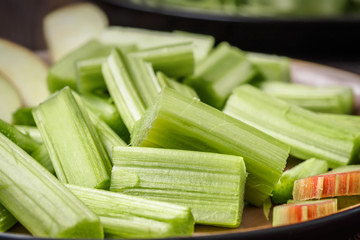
[323,31]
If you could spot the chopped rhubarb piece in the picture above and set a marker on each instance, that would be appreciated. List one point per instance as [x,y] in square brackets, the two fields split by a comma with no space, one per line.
[332,184]
[303,211]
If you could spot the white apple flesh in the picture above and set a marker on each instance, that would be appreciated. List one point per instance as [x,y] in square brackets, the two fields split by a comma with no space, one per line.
[25,70]
[10,99]
[71,26]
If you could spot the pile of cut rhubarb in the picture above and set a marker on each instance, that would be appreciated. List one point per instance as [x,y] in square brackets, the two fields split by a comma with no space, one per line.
[132,133]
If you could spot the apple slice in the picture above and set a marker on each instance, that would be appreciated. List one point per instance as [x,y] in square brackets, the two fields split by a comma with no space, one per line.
[303,211]
[331,184]
[26,71]
[69,27]
[10,99]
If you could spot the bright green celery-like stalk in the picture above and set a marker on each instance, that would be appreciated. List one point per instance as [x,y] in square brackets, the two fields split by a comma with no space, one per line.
[44,206]
[215,77]
[122,90]
[89,76]
[200,5]
[63,72]
[325,99]
[293,8]
[308,134]
[283,189]
[270,67]
[7,220]
[348,120]
[23,116]
[348,168]
[145,39]
[211,184]
[107,111]
[35,149]
[24,141]
[135,217]
[179,122]
[107,136]
[174,60]
[145,81]
[179,87]
[30,131]
[42,156]
[77,154]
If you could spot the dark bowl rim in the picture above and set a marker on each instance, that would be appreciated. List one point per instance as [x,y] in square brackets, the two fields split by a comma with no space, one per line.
[346,18]
[271,232]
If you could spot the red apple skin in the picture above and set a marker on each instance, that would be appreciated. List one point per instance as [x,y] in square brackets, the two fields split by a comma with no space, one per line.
[327,185]
[303,211]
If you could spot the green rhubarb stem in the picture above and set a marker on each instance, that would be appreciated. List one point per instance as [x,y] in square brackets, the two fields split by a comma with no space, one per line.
[122,90]
[35,149]
[23,116]
[211,184]
[107,136]
[347,120]
[174,84]
[44,206]
[107,111]
[308,134]
[63,72]
[127,216]
[65,124]
[179,122]
[174,61]
[325,99]
[214,78]
[89,76]
[271,68]
[30,131]
[145,39]
[7,220]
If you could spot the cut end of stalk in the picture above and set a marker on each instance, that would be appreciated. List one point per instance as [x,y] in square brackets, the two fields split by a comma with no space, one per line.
[211,184]
[64,124]
[179,122]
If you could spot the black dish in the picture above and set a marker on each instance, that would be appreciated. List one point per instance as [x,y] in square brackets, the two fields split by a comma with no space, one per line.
[343,225]
[332,38]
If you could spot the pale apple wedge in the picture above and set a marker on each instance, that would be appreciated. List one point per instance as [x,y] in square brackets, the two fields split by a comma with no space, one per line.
[303,211]
[10,99]
[26,71]
[71,26]
[327,185]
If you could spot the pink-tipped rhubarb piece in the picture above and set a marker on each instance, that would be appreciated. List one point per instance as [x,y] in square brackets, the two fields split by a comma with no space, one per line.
[327,185]
[303,211]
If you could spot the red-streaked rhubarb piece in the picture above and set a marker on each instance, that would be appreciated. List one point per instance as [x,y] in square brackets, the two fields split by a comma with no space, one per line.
[327,185]
[303,211]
